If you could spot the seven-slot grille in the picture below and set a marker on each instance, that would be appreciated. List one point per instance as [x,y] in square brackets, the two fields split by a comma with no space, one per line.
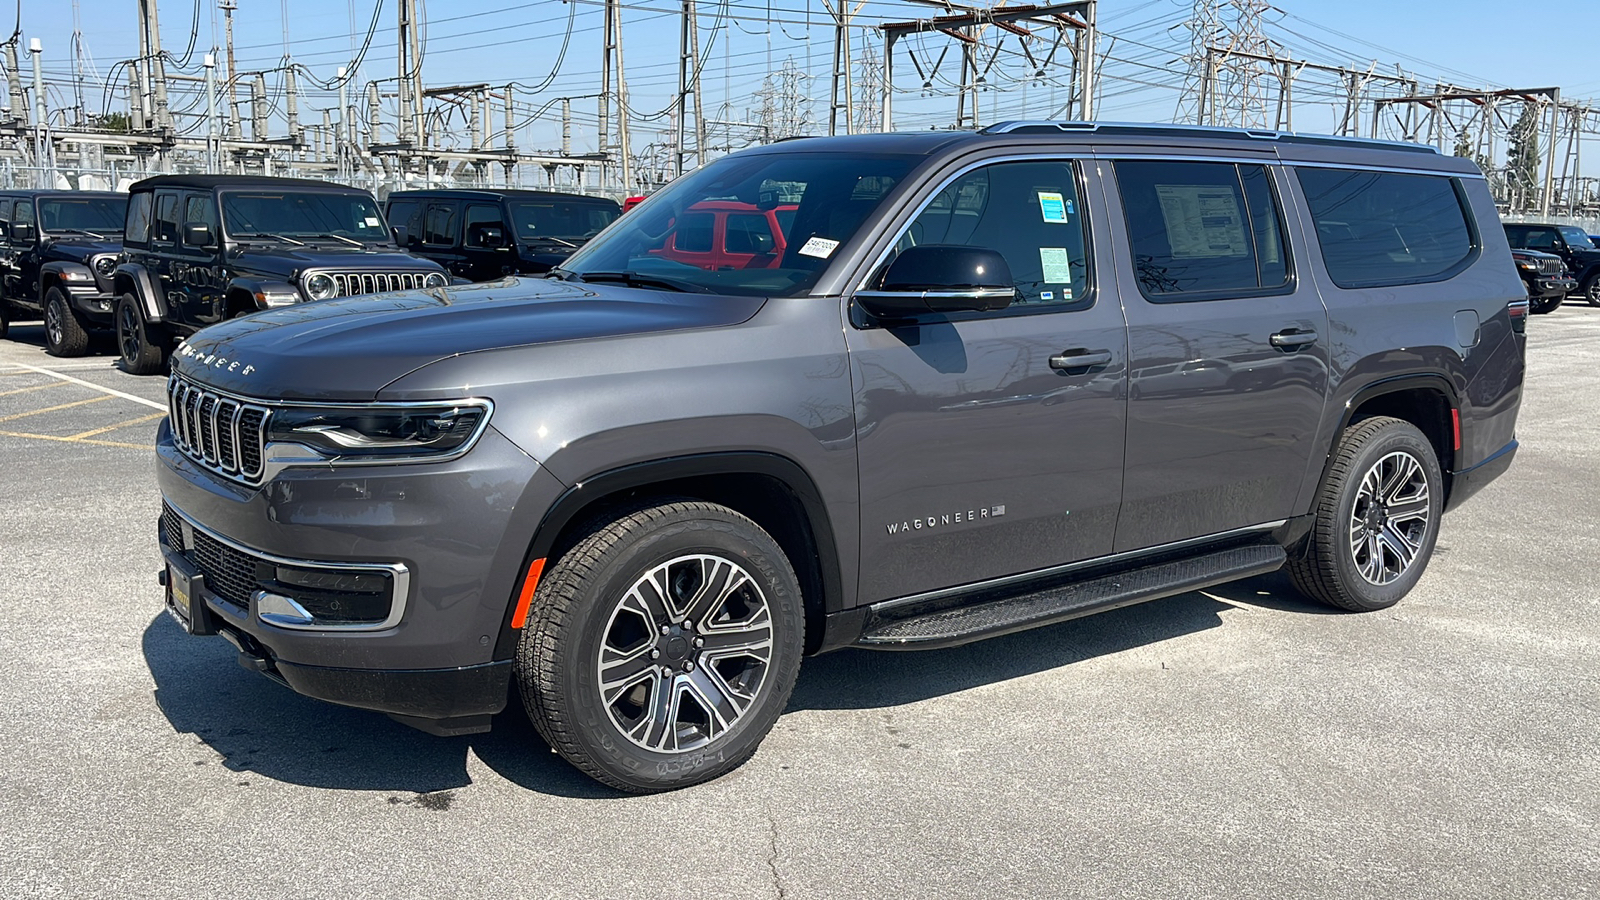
[350,283]
[230,574]
[1551,267]
[225,435]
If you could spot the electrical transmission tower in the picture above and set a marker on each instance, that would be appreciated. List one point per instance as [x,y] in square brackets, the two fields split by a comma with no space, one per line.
[785,102]
[1226,80]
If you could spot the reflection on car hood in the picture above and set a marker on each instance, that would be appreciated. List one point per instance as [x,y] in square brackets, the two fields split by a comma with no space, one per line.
[348,349]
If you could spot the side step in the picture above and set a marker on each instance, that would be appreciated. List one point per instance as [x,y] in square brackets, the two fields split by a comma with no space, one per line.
[949,627]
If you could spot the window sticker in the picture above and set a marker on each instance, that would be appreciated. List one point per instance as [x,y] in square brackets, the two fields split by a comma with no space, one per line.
[373,222]
[821,248]
[1052,207]
[1047,295]
[1203,221]
[1057,267]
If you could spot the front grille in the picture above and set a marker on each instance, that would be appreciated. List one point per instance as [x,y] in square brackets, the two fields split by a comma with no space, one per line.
[222,434]
[1551,267]
[230,574]
[351,283]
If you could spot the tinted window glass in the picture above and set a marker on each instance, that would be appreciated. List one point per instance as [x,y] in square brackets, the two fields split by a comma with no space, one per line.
[785,220]
[1380,228]
[1029,212]
[438,226]
[198,210]
[405,214]
[1576,237]
[24,213]
[749,233]
[1202,229]
[562,220]
[97,215]
[302,214]
[478,219]
[138,224]
[5,211]
[166,222]
[694,233]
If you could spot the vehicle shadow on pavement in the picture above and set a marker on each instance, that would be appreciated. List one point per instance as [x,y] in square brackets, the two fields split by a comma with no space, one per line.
[259,726]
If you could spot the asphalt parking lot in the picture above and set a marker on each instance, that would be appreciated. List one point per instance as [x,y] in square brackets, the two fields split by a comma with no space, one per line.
[1233,743]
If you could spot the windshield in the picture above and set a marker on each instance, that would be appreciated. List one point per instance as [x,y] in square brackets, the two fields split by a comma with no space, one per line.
[567,220]
[98,215]
[302,214]
[1576,237]
[763,224]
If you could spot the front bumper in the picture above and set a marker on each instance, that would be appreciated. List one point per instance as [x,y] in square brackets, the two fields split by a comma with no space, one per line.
[1542,287]
[93,304]
[457,531]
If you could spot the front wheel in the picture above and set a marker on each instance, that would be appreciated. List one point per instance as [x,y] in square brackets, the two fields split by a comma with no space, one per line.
[1376,518]
[662,647]
[1546,305]
[140,354]
[64,334]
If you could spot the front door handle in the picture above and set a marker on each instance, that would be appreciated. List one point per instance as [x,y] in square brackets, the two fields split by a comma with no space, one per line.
[1290,337]
[1080,359]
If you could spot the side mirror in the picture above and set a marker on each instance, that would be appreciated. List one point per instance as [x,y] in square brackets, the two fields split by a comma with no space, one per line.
[401,236]
[941,278]
[22,231]
[198,234]
[492,236]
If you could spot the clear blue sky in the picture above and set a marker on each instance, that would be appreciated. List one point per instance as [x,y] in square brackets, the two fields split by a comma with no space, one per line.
[1470,43]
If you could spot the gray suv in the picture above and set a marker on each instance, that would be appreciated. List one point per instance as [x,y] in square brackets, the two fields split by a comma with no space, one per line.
[995,380]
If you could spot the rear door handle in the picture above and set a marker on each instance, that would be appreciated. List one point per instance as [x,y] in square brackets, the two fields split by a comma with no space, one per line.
[1080,359]
[1289,337]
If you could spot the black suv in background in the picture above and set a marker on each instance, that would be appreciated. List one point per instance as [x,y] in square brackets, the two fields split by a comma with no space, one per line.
[481,235]
[1545,275]
[994,380]
[1568,242]
[199,249]
[58,250]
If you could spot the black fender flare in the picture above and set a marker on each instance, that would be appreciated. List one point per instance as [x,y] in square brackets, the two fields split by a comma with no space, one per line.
[131,278]
[578,497]
[265,293]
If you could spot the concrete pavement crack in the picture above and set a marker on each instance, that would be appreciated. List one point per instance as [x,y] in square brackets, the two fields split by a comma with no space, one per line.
[772,859]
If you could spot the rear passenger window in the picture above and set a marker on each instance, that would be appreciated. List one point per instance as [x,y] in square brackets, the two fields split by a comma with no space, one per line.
[1386,228]
[137,229]
[439,225]
[166,230]
[1203,230]
[749,233]
[694,233]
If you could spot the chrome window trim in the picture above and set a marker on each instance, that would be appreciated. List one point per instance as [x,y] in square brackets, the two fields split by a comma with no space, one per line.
[1023,577]
[400,575]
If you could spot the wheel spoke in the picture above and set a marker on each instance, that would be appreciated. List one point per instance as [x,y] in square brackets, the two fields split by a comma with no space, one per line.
[620,672]
[1407,510]
[751,640]
[657,728]
[1403,548]
[647,604]
[723,706]
[719,578]
[1403,469]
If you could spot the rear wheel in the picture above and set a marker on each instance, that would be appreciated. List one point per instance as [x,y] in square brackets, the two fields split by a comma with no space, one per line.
[140,354]
[662,647]
[1376,518]
[64,334]
[1547,305]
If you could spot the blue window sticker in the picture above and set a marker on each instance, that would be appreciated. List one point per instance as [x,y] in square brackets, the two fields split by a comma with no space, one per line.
[1052,207]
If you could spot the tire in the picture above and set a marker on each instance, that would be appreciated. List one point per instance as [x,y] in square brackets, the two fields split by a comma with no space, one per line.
[1362,556]
[140,355]
[1591,289]
[5,318]
[1547,305]
[612,594]
[64,334]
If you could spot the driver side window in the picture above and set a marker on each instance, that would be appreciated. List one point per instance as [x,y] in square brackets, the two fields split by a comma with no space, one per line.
[1029,212]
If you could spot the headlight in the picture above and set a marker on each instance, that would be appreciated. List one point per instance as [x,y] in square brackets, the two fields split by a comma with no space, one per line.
[1527,265]
[104,266]
[427,431]
[321,287]
[436,280]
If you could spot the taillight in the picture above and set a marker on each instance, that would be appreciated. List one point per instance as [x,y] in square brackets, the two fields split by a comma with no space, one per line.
[1518,310]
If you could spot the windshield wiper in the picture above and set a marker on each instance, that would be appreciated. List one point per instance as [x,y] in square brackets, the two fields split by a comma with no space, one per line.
[550,240]
[96,235]
[338,237]
[638,279]
[263,234]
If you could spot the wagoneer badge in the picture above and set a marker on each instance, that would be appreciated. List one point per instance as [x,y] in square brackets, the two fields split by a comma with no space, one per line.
[955,518]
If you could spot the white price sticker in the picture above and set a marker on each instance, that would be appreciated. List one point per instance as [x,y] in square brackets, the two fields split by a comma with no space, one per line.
[821,248]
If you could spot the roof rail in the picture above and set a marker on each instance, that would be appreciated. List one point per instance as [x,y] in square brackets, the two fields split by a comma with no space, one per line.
[1039,126]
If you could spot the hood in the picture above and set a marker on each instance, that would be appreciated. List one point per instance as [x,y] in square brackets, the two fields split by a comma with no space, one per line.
[1532,254]
[350,348]
[79,246]
[282,259]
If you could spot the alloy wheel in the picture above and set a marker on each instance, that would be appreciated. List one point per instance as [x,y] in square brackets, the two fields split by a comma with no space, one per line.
[129,332]
[685,653]
[1389,520]
[54,329]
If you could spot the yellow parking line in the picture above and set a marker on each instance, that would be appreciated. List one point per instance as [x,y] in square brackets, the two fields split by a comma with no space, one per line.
[37,387]
[35,412]
[92,432]
[75,440]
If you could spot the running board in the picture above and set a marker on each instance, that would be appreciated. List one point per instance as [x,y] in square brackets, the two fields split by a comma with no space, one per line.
[950,627]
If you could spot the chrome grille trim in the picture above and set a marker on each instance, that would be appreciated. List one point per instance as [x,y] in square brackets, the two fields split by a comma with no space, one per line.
[352,283]
[217,432]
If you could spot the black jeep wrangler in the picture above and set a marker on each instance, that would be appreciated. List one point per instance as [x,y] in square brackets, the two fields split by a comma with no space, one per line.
[483,235]
[58,250]
[199,249]
[1569,242]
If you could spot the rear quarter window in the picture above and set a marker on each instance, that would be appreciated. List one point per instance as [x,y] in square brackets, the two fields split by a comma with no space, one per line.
[137,227]
[1377,229]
